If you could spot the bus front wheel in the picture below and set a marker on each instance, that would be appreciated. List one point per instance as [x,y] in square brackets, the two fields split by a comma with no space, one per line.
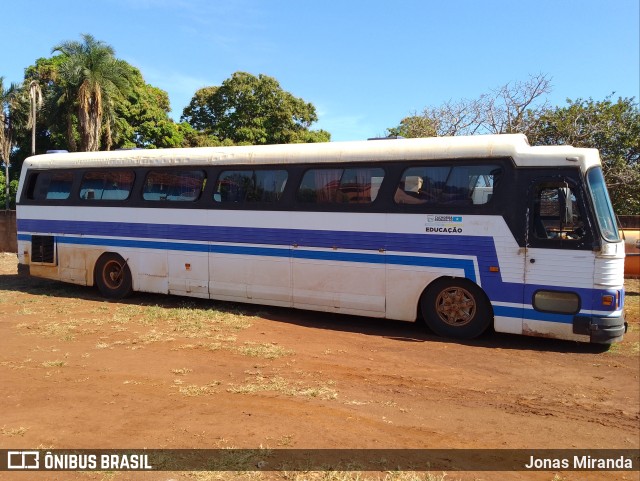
[113,276]
[456,308]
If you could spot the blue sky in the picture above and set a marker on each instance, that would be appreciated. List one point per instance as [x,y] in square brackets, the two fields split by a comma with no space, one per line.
[364,64]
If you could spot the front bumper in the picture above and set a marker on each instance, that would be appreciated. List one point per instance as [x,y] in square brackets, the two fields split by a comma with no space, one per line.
[601,330]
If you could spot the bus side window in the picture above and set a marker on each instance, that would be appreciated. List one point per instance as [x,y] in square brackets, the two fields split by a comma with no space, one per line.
[173,185]
[60,186]
[319,186]
[358,185]
[104,185]
[250,186]
[31,192]
[422,185]
[50,186]
[445,185]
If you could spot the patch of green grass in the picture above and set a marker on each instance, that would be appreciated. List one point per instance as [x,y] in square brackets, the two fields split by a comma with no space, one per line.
[60,330]
[624,349]
[126,314]
[265,350]
[63,330]
[154,336]
[187,322]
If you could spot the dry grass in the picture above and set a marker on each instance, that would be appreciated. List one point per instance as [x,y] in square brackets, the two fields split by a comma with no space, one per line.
[632,302]
[56,363]
[630,347]
[192,390]
[183,371]
[265,350]
[192,321]
[258,383]
[360,476]
[12,432]
[319,476]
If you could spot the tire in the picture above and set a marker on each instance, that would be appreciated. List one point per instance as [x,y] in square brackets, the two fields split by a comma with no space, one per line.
[456,308]
[113,276]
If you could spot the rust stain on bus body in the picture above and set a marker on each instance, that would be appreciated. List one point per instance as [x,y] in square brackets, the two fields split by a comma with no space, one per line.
[529,331]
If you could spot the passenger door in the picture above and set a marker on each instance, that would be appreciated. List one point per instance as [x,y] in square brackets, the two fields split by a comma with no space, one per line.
[559,263]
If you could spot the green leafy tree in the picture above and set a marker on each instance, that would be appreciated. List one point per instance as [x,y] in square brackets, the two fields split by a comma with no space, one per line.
[197,138]
[91,79]
[247,109]
[415,126]
[13,188]
[612,127]
[135,117]
[142,118]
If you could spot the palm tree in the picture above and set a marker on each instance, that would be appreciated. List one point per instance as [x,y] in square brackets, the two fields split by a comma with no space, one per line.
[92,79]
[35,96]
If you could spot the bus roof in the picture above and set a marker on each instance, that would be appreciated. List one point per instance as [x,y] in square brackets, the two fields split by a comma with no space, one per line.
[515,146]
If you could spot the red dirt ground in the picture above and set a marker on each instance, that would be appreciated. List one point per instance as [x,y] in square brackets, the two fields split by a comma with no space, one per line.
[165,372]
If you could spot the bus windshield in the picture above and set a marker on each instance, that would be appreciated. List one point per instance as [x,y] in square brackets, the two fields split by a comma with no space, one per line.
[602,204]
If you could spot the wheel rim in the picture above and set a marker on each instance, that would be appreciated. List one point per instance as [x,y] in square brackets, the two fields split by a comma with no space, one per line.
[456,306]
[112,274]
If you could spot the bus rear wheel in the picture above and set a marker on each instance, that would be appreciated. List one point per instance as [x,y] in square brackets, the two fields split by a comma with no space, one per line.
[456,308]
[113,276]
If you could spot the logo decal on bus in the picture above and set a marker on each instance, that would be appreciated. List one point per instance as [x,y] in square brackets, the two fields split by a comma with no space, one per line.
[444,224]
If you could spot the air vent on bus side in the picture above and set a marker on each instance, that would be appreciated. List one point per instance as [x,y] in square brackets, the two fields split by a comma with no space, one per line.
[42,249]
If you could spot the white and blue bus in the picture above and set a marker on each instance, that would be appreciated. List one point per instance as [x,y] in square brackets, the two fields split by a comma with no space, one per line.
[463,232]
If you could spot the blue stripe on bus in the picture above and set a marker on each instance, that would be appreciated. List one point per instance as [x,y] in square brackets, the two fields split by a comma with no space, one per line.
[465,265]
[481,248]
[271,236]
[530,314]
